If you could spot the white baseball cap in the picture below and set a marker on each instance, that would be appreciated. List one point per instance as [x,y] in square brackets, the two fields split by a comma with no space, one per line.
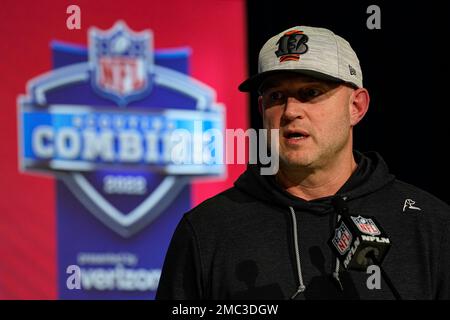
[316,52]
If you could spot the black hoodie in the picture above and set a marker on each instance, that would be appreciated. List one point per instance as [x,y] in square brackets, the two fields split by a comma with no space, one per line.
[240,244]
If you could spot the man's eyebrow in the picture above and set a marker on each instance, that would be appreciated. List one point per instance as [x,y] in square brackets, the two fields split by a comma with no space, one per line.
[269,84]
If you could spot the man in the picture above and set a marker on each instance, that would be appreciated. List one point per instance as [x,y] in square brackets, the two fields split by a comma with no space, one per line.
[268,236]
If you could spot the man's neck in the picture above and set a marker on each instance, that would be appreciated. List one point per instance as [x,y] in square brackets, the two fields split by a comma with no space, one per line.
[310,184]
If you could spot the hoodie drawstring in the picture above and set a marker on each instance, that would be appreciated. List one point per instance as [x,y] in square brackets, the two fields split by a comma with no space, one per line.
[336,275]
[301,286]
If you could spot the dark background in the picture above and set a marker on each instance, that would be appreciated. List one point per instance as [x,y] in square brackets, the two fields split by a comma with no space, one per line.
[405,68]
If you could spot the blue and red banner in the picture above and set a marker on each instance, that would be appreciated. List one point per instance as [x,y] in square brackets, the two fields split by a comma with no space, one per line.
[112,122]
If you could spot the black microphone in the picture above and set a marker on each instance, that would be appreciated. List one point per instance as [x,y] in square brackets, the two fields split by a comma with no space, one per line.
[357,241]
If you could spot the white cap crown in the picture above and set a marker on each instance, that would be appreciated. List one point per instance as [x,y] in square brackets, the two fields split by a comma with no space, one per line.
[313,51]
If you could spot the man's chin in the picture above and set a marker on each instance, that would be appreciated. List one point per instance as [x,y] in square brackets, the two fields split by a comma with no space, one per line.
[295,162]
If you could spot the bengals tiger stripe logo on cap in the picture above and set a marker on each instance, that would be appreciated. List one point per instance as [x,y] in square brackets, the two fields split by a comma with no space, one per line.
[291,45]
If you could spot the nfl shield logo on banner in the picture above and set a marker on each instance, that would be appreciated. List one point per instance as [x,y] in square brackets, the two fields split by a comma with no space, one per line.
[120,60]
[366,225]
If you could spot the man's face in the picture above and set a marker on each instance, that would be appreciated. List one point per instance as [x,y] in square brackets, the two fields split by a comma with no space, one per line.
[313,117]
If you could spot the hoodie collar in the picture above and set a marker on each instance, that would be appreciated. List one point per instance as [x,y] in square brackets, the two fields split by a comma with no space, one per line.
[370,175]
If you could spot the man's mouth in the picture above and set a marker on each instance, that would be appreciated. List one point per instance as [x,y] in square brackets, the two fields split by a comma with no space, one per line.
[295,135]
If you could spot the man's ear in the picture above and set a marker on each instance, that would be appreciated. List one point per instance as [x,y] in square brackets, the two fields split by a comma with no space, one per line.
[260,108]
[359,104]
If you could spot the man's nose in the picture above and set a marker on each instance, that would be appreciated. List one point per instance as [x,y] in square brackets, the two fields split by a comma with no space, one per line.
[293,109]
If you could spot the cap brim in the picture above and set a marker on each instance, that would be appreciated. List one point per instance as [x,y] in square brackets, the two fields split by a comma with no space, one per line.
[253,83]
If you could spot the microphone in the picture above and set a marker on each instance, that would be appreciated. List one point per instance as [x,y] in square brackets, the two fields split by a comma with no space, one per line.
[358,241]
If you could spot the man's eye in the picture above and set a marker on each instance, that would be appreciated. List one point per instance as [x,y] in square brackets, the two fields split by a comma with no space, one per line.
[310,93]
[276,96]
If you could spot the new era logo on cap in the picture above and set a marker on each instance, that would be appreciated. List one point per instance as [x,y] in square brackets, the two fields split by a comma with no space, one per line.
[317,52]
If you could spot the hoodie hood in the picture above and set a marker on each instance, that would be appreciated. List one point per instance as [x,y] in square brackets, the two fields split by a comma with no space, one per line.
[371,175]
